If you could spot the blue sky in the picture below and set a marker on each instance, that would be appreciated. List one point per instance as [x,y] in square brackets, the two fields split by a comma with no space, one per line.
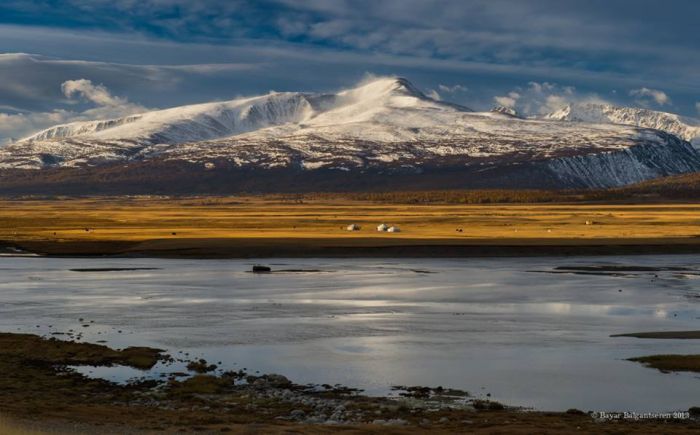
[123,56]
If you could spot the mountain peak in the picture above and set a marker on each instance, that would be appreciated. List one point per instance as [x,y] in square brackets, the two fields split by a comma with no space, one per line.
[509,111]
[385,124]
[386,86]
[603,113]
[403,85]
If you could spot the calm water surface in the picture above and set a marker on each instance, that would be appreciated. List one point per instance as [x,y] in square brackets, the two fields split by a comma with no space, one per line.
[505,327]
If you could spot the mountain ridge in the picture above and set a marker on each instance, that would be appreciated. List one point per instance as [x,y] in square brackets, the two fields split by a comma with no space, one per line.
[382,126]
[684,127]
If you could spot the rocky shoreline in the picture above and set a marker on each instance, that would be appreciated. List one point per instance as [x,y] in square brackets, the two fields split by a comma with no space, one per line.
[40,385]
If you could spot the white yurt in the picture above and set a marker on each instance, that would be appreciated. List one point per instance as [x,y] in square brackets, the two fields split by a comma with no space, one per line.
[393,230]
[382,227]
[353,227]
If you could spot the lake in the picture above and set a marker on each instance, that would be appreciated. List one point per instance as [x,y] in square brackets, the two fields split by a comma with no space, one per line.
[523,330]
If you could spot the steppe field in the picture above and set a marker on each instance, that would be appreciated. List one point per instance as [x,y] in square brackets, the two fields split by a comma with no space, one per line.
[247,226]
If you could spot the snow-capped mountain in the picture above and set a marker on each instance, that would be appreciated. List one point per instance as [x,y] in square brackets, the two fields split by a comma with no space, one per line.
[506,111]
[683,127]
[382,126]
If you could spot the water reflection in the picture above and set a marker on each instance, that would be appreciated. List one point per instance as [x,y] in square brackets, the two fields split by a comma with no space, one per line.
[491,325]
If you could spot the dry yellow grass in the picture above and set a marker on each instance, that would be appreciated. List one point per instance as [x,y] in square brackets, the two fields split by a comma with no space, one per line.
[9,427]
[139,219]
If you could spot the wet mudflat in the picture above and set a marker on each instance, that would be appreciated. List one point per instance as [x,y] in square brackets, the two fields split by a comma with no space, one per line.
[42,392]
[492,327]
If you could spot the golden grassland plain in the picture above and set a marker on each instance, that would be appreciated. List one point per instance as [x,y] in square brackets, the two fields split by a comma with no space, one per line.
[120,224]
[8,427]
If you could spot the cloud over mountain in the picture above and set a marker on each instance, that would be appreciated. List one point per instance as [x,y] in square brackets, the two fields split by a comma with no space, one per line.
[164,53]
[103,105]
[540,98]
[97,94]
[644,95]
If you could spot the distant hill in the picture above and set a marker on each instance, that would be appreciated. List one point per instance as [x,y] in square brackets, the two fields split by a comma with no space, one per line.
[686,186]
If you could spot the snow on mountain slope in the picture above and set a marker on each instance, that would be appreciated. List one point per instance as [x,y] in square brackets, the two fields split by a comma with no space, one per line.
[683,127]
[100,141]
[189,123]
[506,111]
[629,166]
[93,142]
[384,124]
[405,136]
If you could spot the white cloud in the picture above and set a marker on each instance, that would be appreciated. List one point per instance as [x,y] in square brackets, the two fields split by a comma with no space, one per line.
[22,124]
[643,96]
[554,102]
[18,125]
[540,87]
[453,89]
[97,94]
[509,100]
[280,65]
[540,98]
[32,82]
